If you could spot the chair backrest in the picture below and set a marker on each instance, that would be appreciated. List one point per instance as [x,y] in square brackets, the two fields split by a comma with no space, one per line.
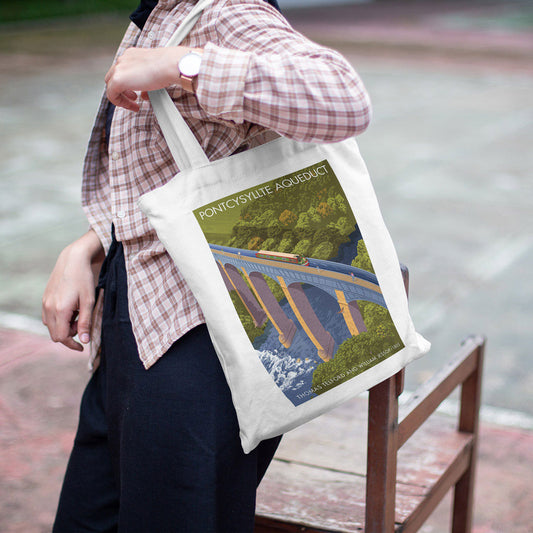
[386,435]
[319,470]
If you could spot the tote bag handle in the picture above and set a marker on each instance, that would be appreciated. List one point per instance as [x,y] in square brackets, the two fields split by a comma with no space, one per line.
[186,150]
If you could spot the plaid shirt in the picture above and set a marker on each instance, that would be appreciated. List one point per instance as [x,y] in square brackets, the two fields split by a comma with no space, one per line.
[257,75]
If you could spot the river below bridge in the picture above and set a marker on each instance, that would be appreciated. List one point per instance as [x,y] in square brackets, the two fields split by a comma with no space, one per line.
[292,368]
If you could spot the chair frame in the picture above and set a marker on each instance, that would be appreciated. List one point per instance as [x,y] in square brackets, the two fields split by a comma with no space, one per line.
[388,432]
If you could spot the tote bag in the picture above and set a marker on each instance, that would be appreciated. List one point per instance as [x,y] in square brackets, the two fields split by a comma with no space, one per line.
[285,249]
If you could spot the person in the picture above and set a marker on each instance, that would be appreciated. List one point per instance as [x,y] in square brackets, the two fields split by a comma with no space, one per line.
[157,448]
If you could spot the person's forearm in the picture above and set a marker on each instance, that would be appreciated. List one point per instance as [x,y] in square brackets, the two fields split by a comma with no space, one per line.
[308,99]
[68,298]
[273,76]
[90,244]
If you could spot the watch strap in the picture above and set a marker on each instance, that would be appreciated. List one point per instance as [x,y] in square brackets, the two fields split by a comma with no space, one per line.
[188,83]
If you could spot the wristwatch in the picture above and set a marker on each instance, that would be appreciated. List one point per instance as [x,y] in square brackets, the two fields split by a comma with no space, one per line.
[189,67]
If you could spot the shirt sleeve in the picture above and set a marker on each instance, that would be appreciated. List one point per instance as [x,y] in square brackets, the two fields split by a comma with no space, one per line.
[261,70]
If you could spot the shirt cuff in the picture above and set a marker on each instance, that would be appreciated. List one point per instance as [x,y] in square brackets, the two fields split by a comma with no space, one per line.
[221,82]
[102,227]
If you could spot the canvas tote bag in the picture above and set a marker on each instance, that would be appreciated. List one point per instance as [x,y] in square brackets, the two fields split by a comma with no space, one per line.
[285,249]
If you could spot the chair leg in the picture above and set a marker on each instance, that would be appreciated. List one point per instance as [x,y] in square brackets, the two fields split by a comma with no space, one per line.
[381,457]
[469,422]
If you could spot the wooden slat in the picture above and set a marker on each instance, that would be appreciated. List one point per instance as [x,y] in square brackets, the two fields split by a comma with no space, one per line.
[425,457]
[312,497]
[264,524]
[431,394]
[449,478]
[318,499]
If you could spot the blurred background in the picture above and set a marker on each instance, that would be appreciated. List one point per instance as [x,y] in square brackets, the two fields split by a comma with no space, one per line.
[449,150]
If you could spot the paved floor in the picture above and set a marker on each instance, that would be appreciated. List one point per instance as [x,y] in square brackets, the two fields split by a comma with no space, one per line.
[40,388]
[449,152]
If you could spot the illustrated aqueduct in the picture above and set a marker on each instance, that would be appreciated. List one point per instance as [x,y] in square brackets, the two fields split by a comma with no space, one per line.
[345,283]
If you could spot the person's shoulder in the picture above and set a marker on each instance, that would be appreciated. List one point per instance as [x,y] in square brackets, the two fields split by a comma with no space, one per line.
[242,11]
[258,6]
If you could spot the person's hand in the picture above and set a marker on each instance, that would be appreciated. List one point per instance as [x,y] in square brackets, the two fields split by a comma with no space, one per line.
[68,299]
[142,69]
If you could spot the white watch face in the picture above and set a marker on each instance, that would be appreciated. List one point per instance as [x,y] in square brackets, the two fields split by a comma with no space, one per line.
[189,64]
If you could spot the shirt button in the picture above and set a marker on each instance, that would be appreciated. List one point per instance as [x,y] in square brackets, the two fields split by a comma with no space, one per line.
[151,35]
[115,156]
[121,214]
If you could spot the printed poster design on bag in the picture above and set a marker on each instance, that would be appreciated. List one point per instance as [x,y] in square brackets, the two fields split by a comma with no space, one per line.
[296,267]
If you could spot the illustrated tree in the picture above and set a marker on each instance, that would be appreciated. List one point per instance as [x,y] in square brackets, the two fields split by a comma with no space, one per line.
[303,247]
[304,226]
[342,206]
[242,232]
[325,250]
[275,229]
[317,212]
[255,243]
[287,243]
[270,244]
[287,217]
[324,209]
[343,226]
[357,354]
[362,259]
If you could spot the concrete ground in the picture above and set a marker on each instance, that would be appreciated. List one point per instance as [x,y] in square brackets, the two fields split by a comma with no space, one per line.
[449,153]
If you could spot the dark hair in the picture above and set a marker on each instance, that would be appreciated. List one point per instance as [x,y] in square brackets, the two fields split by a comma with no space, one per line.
[274,3]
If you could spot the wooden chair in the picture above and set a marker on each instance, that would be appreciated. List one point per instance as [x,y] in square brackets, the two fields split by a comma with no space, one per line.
[319,482]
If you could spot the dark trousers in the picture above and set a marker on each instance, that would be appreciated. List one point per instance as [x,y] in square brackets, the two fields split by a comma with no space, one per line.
[158,450]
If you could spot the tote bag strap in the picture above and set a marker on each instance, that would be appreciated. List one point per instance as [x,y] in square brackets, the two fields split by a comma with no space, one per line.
[184,147]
